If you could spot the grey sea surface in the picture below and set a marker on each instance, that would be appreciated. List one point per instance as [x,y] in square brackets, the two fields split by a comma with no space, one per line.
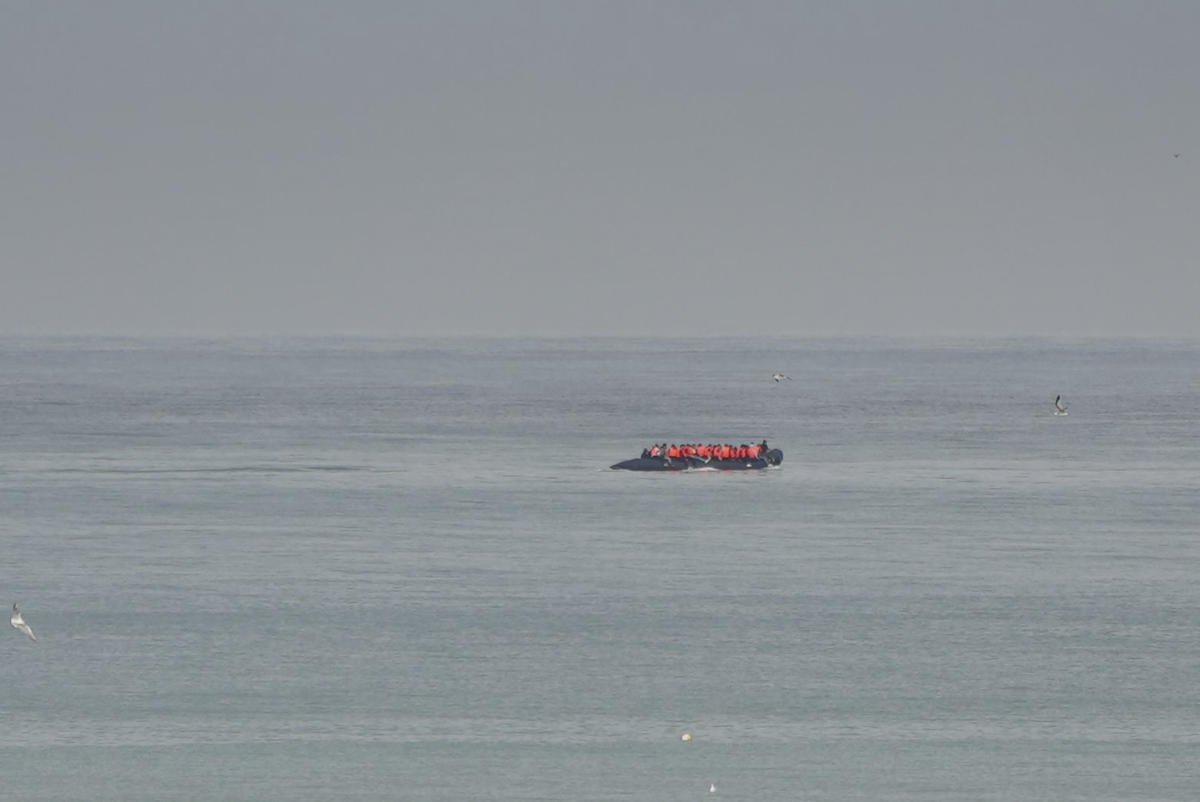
[360,569]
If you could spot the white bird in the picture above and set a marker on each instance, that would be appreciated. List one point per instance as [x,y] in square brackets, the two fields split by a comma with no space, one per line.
[712,788]
[1059,407]
[19,623]
[778,377]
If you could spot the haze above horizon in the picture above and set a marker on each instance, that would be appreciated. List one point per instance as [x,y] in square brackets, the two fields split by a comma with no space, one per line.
[600,168]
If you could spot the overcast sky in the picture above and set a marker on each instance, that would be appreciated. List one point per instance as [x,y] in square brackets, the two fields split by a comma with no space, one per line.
[600,168]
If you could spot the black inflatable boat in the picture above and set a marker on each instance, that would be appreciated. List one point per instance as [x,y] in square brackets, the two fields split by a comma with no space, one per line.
[773,457]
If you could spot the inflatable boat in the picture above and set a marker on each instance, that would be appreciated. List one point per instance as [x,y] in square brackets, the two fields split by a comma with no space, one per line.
[773,457]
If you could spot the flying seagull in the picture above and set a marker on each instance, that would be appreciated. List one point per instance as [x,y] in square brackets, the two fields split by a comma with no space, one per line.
[778,377]
[19,623]
[1059,407]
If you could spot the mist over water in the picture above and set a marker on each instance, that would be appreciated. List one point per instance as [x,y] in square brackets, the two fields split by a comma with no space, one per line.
[307,569]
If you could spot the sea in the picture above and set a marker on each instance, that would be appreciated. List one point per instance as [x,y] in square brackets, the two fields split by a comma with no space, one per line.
[367,568]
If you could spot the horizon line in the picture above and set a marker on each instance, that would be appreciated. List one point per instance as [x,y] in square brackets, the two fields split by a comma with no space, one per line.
[545,335]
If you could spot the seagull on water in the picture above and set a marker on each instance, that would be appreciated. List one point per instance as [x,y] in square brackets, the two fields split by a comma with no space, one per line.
[19,623]
[712,788]
[778,377]
[1059,407]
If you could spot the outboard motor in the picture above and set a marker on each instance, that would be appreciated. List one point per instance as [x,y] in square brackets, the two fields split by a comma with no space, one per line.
[774,457]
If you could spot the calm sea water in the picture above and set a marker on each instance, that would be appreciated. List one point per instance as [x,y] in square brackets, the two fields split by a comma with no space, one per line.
[400,569]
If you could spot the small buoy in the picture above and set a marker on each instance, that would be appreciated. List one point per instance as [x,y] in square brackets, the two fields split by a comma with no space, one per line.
[687,736]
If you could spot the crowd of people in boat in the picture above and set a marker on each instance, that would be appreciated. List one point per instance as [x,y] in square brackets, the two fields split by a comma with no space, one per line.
[707,451]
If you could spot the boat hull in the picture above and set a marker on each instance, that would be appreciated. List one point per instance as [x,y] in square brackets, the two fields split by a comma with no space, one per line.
[773,457]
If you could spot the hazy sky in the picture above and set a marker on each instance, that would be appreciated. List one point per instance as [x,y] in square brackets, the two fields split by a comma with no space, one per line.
[593,168]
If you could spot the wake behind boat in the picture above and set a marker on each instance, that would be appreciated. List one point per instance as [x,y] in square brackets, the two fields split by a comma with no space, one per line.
[704,456]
